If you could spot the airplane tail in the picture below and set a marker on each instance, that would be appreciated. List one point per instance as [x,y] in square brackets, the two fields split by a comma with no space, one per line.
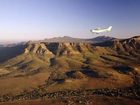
[109,28]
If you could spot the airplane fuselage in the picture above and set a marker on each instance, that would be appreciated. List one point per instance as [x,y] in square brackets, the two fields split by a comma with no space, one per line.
[97,31]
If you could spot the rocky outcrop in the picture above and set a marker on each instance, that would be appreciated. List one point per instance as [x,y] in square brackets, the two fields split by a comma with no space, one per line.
[131,45]
[38,48]
[59,49]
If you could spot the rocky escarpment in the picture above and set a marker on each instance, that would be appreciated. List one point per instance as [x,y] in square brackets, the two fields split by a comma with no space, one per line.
[37,48]
[128,45]
[58,49]
[40,55]
[37,56]
[131,45]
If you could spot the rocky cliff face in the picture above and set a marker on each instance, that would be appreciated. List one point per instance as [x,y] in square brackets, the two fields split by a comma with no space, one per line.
[37,48]
[129,46]
[57,49]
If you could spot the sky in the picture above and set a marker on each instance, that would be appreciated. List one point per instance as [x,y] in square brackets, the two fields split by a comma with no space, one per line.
[39,19]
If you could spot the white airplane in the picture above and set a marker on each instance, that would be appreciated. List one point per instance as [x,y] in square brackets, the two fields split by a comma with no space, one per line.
[99,30]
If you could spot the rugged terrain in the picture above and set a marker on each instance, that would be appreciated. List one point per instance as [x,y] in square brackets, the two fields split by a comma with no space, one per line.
[34,70]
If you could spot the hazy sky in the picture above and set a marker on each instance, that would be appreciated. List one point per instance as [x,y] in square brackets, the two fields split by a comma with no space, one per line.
[38,19]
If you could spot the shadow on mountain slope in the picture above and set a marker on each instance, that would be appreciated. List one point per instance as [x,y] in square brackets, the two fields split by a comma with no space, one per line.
[7,53]
[123,69]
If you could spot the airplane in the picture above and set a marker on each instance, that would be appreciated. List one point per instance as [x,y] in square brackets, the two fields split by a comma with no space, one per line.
[99,30]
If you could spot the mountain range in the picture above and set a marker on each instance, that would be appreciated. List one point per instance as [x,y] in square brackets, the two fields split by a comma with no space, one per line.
[66,63]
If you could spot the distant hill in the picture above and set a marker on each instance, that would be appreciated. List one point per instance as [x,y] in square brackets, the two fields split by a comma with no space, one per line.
[70,39]
[100,39]
[64,39]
